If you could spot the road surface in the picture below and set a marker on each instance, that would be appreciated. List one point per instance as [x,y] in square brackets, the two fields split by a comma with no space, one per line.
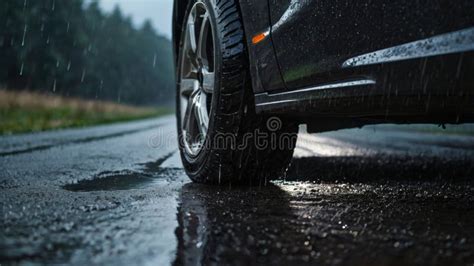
[117,194]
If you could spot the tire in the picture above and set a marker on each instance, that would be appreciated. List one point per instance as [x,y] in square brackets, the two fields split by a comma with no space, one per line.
[230,109]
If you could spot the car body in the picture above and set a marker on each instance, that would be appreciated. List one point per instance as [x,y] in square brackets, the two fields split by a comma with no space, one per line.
[352,63]
[341,64]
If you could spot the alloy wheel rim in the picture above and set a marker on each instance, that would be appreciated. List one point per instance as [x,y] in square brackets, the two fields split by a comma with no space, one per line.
[197,79]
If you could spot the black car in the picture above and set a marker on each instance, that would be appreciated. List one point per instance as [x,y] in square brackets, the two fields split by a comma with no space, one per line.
[249,72]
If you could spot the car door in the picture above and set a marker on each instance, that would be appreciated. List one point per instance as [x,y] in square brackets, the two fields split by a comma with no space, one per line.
[313,38]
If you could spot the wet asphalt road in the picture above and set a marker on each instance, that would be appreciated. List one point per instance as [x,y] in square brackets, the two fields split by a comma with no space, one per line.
[117,195]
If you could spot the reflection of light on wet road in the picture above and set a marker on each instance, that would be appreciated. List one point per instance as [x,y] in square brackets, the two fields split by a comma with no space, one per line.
[387,139]
[302,188]
[317,145]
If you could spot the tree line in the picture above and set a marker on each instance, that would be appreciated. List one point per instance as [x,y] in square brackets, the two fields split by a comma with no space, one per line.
[73,48]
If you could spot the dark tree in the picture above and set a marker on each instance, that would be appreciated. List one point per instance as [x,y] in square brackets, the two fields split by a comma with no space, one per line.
[73,49]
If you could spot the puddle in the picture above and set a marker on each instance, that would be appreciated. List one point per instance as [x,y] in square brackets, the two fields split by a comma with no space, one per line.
[111,181]
[152,173]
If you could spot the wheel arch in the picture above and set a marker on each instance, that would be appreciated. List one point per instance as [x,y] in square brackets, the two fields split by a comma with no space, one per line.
[179,10]
[264,70]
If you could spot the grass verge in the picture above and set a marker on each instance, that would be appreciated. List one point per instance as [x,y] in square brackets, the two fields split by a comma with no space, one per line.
[23,111]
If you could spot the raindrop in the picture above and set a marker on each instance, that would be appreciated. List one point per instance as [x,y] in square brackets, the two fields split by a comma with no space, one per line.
[458,71]
[54,5]
[24,35]
[67,28]
[69,66]
[54,86]
[220,172]
[100,88]
[83,75]
[21,69]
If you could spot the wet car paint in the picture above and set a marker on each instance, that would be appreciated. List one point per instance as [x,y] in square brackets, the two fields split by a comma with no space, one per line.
[418,57]
[374,196]
[264,70]
[312,38]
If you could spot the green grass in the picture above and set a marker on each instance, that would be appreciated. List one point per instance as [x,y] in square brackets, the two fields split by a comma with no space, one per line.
[39,113]
[32,120]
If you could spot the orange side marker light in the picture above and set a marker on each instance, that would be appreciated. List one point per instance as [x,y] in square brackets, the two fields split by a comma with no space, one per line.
[259,37]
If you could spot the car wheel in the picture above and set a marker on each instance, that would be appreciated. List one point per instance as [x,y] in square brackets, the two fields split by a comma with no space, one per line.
[221,139]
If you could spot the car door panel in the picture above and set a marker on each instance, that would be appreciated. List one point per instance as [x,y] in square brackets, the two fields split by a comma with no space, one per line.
[313,38]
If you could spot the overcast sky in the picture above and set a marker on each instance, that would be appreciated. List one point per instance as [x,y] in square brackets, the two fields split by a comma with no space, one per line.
[158,11]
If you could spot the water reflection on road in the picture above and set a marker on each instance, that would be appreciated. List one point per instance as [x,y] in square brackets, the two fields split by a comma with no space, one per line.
[388,210]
